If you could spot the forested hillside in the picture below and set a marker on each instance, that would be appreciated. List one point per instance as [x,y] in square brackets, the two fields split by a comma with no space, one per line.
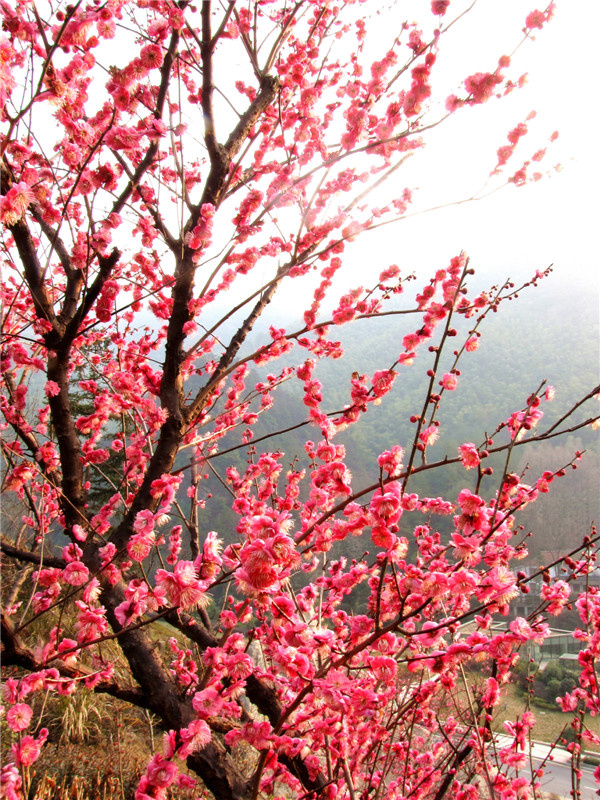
[518,350]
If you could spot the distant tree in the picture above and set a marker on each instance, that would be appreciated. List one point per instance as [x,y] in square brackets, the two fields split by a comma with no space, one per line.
[168,169]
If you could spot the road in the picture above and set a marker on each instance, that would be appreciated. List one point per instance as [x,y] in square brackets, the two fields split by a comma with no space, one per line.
[557,773]
[557,779]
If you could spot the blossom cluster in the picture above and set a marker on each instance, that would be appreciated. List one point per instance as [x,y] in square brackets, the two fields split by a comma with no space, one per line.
[320,620]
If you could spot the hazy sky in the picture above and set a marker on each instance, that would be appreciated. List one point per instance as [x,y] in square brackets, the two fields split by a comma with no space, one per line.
[517,230]
[554,220]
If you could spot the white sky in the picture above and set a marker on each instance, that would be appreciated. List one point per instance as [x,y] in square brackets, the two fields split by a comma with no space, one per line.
[517,230]
[553,221]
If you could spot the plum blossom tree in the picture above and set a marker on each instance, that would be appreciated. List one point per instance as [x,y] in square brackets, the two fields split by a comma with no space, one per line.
[168,169]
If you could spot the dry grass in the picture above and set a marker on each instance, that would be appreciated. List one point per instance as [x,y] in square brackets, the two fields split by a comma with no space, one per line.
[99,771]
[102,771]
[105,788]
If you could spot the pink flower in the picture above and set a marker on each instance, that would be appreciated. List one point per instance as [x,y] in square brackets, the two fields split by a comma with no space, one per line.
[428,637]
[265,562]
[382,381]
[335,477]
[466,548]
[27,750]
[521,629]
[535,19]
[449,381]
[79,533]
[182,586]
[470,503]
[208,702]
[106,300]
[410,502]
[51,389]
[71,657]
[384,668]
[429,436]
[139,546]
[469,455]
[386,506]
[452,103]
[491,696]
[514,759]
[481,85]
[72,552]
[165,488]
[521,787]
[160,772]
[500,585]
[519,178]
[439,7]
[196,736]
[76,573]
[19,716]
[92,591]
[382,536]
[556,595]
[147,791]
[435,584]
[14,203]
[144,522]
[391,461]
[138,600]
[10,783]
[151,56]
[91,622]
[210,560]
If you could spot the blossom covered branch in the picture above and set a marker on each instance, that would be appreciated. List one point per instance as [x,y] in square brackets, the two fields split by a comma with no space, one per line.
[168,171]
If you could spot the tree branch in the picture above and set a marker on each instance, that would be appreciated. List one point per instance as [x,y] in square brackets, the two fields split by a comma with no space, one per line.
[148,159]
[29,557]
[16,654]
[34,273]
